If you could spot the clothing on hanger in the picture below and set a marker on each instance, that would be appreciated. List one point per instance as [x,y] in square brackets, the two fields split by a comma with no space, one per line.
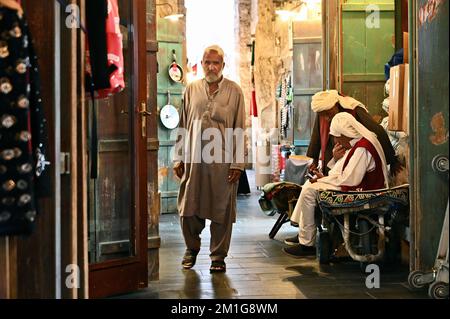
[12,4]
[23,128]
[105,63]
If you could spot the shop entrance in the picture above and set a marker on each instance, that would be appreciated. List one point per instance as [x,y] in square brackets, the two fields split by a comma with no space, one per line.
[117,233]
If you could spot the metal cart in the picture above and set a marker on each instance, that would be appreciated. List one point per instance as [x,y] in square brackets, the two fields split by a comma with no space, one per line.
[437,278]
[377,214]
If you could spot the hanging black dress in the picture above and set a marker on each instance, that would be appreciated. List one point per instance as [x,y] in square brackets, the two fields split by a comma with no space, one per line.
[23,132]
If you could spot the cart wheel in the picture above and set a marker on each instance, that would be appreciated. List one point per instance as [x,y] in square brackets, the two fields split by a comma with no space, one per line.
[438,290]
[324,247]
[415,279]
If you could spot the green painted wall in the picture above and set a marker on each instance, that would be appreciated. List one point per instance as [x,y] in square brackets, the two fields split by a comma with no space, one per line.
[170,36]
[366,47]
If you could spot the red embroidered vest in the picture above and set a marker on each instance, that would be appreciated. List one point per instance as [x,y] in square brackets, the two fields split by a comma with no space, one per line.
[371,180]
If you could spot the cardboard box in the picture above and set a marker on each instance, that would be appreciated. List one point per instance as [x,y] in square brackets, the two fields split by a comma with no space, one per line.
[405,110]
[396,96]
[405,47]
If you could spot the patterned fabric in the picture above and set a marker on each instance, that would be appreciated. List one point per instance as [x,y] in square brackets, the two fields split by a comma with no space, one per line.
[279,194]
[22,127]
[271,189]
[338,202]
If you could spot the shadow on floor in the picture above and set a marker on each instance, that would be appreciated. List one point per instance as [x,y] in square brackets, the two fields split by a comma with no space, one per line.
[257,268]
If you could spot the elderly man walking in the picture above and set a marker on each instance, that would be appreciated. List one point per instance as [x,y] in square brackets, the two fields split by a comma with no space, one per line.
[210,169]
[363,167]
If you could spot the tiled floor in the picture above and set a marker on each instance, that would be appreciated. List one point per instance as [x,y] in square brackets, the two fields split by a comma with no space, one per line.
[257,267]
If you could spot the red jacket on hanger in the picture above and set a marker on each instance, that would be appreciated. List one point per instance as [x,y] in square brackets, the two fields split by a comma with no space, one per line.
[108,78]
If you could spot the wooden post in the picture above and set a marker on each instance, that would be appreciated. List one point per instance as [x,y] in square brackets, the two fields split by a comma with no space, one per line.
[8,268]
[83,260]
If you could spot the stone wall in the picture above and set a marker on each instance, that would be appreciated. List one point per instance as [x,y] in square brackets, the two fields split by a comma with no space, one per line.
[244,40]
[273,59]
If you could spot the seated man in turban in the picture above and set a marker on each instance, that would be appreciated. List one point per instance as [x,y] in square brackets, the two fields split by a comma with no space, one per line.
[363,167]
[327,104]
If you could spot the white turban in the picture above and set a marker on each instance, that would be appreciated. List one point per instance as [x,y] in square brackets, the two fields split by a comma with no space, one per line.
[345,124]
[325,100]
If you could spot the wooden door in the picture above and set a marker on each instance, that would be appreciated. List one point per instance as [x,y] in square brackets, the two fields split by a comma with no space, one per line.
[170,36]
[118,196]
[367,45]
[429,129]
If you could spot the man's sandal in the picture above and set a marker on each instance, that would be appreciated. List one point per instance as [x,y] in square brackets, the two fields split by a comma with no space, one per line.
[217,266]
[189,259]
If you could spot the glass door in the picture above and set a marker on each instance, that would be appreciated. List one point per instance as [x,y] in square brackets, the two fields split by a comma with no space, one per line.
[117,196]
[307,75]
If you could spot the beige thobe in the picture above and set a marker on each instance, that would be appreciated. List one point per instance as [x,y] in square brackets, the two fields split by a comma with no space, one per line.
[204,188]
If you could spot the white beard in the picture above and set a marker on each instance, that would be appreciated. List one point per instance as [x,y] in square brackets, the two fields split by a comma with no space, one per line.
[211,77]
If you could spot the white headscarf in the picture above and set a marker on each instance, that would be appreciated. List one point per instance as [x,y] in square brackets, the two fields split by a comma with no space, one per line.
[345,124]
[325,100]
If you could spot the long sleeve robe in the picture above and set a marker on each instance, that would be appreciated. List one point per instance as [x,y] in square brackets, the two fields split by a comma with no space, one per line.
[352,175]
[204,188]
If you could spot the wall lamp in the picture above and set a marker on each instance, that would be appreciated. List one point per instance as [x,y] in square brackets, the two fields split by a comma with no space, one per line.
[172,14]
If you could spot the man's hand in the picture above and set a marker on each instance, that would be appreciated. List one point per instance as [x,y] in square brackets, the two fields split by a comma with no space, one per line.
[313,166]
[178,169]
[318,176]
[234,175]
[338,151]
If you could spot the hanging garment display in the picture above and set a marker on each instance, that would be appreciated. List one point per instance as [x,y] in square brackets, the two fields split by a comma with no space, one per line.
[23,133]
[104,56]
[104,61]
[285,100]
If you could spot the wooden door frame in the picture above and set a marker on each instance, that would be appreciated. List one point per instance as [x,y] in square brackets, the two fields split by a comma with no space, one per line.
[43,279]
[103,279]
[414,197]
[8,268]
[154,240]
[331,35]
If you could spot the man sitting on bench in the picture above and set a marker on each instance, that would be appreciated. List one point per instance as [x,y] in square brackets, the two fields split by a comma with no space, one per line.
[363,167]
